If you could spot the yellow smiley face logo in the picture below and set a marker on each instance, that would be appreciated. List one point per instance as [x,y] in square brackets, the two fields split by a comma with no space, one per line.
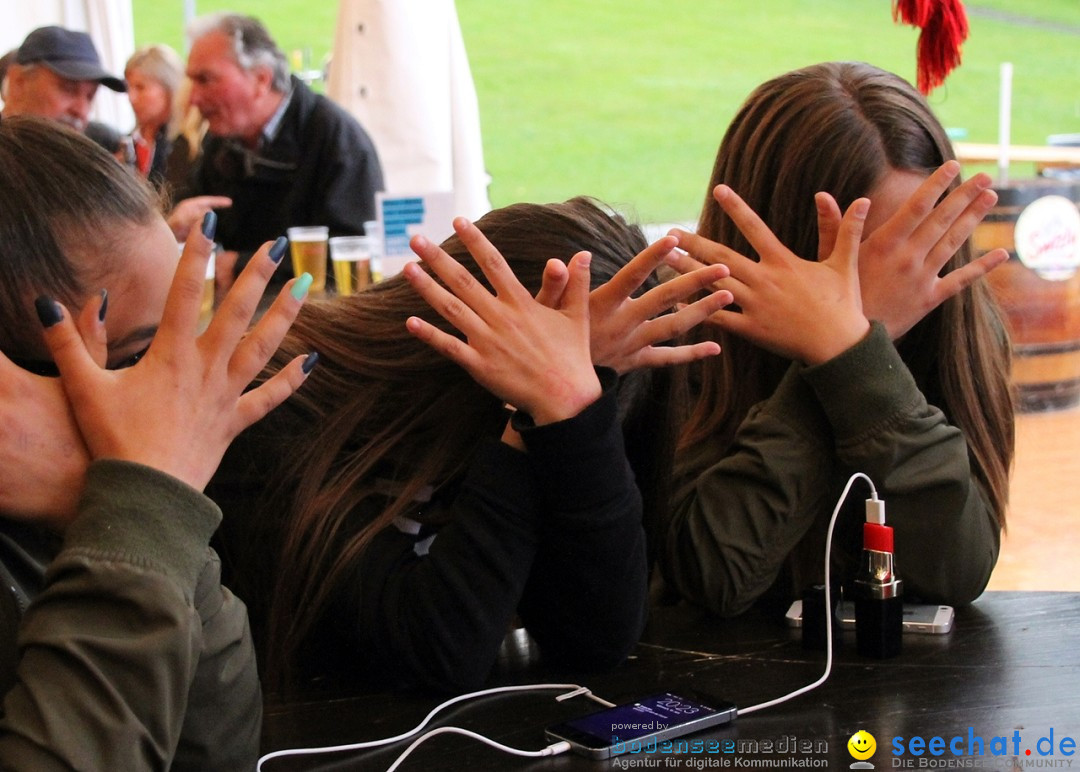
[862,745]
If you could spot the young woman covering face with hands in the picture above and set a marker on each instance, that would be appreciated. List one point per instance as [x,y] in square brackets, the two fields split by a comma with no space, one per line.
[130,654]
[884,355]
[407,524]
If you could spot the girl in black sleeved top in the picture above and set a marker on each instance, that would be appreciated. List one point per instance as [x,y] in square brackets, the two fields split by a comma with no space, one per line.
[404,524]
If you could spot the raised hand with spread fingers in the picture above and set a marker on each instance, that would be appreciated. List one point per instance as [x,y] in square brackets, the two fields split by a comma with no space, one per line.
[901,261]
[625,330]
[534,357]
[796,308]
[191,389]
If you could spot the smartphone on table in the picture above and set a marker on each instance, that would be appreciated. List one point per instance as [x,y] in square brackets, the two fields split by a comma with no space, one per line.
[927,618]
[659,717]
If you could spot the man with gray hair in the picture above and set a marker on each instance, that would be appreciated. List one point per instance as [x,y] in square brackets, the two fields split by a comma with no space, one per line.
[283,155]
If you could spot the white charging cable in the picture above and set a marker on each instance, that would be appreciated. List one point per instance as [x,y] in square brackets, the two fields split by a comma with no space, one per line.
[828,602]
[575,691]
[552,750]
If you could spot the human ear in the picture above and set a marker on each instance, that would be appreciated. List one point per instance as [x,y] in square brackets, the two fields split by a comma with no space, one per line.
[15,80]
[264,78]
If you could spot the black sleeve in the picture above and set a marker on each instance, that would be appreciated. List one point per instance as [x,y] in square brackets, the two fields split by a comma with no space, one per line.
[555,534]
[349,175]
[585,599]
[438,619]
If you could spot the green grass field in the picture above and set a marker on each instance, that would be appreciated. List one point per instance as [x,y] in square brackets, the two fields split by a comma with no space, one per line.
[628,100]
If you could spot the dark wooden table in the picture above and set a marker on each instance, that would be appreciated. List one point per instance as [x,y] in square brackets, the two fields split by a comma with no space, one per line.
[1010,665]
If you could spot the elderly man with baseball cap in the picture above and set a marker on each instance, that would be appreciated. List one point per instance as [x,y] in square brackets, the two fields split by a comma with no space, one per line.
[55,75]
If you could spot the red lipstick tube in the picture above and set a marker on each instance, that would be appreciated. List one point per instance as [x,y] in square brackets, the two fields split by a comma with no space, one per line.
[879,603]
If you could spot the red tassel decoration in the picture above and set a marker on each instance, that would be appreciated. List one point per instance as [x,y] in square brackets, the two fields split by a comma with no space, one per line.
[944,28]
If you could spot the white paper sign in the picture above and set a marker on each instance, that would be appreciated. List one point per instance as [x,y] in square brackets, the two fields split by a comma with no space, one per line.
[403,216]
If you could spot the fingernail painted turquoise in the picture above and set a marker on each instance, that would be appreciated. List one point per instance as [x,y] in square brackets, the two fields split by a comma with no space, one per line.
[300,288]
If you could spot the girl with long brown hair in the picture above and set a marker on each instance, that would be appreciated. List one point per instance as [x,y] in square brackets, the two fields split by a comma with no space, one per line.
[807,390]
[119,647]
[402,527]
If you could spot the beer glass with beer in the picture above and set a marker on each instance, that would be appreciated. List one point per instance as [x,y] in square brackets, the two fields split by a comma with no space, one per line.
[206,308]
[351,258]
[308,246]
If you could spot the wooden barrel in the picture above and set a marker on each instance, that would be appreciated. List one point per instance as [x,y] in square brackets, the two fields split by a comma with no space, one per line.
[1039,287]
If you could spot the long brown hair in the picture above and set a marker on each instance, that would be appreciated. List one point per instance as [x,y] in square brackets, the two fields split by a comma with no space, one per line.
[61,193]
[839,127]
[383,405]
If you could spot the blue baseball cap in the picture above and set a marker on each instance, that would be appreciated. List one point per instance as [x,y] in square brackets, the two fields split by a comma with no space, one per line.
[69,54]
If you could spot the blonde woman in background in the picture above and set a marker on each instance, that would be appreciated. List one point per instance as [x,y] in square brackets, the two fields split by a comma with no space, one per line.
[153,75]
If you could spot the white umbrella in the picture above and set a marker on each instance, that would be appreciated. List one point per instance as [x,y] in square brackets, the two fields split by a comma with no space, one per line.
[400,67]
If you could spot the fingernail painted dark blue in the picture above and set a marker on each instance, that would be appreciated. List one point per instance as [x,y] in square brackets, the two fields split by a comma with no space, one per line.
[209,224]
[48,311]
[277,251]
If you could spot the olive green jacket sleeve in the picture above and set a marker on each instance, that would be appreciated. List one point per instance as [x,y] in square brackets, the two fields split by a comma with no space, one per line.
[133,656]
[753,519]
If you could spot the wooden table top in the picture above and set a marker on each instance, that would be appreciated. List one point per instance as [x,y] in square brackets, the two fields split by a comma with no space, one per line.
[1010,665]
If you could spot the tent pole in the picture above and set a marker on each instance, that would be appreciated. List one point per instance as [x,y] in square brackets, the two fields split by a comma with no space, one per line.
[189,14]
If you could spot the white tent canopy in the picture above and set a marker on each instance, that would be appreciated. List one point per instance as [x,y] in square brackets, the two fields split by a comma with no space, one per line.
[109,24]
[400,67]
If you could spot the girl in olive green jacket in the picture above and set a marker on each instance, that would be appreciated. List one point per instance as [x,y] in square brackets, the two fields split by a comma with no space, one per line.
[884,355]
